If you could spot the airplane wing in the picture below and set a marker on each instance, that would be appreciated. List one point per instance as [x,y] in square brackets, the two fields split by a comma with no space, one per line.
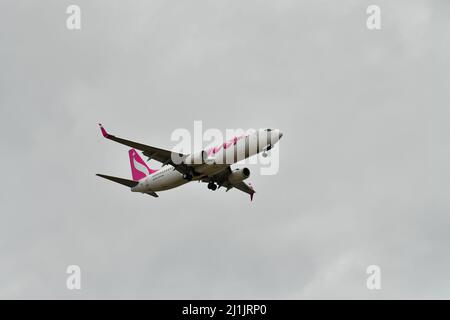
[221,179]
[161,155]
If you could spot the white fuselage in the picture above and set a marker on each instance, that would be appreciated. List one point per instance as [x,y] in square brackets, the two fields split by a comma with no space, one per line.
[219,158]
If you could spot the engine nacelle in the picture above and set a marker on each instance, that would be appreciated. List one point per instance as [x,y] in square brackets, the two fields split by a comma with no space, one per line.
[239,175]
[196,158]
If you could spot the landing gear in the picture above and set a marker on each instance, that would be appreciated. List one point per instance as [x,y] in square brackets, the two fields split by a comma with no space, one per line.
[212,186]
[188,177]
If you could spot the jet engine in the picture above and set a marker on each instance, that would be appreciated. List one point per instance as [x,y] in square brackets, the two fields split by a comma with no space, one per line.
[239,175]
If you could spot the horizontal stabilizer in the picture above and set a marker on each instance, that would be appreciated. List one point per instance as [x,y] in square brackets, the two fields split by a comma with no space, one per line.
[125,182]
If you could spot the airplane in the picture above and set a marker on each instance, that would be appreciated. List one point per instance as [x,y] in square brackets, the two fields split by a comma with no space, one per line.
[212,166]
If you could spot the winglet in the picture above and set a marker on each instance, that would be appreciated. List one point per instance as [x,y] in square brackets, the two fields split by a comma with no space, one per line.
[251,196]
[104,133]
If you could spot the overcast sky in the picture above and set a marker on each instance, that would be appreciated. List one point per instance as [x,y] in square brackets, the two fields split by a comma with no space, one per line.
[364,161]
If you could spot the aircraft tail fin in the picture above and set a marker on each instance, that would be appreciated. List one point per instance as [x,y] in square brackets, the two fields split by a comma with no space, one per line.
[139,168]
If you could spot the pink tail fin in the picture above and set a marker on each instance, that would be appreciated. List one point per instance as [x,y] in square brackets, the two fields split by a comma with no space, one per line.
[139,168]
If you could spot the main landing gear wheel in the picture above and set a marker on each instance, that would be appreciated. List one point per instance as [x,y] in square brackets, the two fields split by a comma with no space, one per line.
[212,186]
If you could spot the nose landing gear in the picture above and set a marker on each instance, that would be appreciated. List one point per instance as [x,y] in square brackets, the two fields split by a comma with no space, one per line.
[265,152]
[212,186]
